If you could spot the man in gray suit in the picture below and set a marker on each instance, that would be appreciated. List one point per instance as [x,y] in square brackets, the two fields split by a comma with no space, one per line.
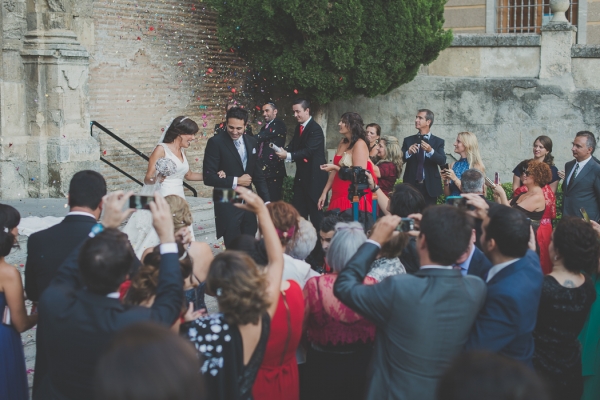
[581,184]
[423,320]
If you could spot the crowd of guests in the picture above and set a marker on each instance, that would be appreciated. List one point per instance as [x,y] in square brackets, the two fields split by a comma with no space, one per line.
[485,301]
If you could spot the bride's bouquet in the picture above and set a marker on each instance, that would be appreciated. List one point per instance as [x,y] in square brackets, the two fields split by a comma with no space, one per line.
[164,167]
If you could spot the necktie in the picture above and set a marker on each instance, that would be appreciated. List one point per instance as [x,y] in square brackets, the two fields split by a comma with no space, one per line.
[420,162]
[301,129]
[573,176]
[242,153]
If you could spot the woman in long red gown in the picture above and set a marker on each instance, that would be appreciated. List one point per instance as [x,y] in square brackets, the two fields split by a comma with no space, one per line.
[277,377]
[352,151]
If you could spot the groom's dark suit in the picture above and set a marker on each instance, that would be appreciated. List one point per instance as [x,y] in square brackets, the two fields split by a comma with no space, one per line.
[222,155]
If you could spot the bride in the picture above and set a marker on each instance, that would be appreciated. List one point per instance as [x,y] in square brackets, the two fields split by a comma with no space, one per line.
[177,136]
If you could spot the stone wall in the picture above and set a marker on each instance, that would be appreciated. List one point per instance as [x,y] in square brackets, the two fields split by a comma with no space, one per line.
[490,85]
[152,61]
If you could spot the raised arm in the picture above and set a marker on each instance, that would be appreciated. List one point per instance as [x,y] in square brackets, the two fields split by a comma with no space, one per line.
[274,269]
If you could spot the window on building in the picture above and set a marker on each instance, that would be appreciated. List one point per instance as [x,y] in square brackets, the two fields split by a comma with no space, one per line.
[527,16]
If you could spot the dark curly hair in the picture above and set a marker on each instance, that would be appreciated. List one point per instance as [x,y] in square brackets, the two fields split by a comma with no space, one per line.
[145,282]
[355,124]
[9,220]
[240,287]
[540,172]
[577,243]
[180,126]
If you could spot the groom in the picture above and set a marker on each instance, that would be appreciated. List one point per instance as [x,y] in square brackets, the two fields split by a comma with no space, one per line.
[236,154]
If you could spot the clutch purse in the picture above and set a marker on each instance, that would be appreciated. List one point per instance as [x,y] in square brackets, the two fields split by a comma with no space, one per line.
[6,316]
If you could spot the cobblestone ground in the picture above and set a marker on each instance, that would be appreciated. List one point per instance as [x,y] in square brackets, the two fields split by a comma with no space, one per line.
[18,257]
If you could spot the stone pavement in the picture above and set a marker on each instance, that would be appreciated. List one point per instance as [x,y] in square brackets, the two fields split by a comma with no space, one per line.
[204,230]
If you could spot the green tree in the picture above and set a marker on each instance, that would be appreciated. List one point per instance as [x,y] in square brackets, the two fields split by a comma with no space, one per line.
[334,49]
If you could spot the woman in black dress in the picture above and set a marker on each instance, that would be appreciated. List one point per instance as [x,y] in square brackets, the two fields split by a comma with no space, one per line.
[232,342]
[567,296]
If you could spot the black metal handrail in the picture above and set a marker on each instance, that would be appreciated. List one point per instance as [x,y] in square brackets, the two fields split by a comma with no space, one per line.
[130,147]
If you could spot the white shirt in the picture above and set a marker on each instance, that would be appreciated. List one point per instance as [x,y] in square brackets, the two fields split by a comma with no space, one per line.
[288,158]
[499,267]
[242,152]
[464,266]
[581,165]
[85,214]
[437,267]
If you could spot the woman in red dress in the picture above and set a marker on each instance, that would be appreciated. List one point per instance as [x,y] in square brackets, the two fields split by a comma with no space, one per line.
[352,151]
[277,377]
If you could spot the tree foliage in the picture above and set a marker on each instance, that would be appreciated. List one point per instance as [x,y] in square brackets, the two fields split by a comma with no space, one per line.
[334,49]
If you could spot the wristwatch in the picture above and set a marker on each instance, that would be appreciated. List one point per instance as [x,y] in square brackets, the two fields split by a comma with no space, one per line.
[376,188]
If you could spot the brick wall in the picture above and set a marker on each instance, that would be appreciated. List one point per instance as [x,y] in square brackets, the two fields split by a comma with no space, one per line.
[150,62]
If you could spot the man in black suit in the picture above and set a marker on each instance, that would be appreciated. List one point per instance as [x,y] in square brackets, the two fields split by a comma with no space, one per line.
[236,154]
[307,150]
[273,131]
[581,184]
[47,249]
[423,154]
[81,310]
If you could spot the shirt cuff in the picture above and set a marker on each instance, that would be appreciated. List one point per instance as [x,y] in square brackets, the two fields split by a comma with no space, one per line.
[407,155]
[374,242]
[234,182]
[267,202]
[167,248]
[429,154]
[288,158]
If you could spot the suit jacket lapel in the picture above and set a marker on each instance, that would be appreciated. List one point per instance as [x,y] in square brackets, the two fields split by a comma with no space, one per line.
[568,168]
[581,174]
[229,144]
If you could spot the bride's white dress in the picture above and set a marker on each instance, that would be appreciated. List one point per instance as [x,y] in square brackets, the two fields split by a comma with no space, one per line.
[139,227]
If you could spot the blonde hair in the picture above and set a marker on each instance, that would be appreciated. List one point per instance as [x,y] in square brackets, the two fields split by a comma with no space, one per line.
[180,210]
[393,153]
[469,140]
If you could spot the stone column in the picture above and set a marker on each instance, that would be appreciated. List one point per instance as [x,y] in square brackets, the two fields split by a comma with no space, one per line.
[557,40]
[56,68]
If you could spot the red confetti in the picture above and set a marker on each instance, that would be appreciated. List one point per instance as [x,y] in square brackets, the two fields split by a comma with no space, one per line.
[128,101]
[10,145]
[162,129]
[193,8]
[196,159]
[305,160]
[341,79]
[257,108]
[139,38]
[296,91]
[231,50]
[232,90]
[210,70]
[21,265]
[151,28]
[104,152]
[216,246]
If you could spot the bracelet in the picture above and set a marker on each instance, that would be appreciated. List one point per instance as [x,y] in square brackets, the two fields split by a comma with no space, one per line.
[376,188]
[96,229]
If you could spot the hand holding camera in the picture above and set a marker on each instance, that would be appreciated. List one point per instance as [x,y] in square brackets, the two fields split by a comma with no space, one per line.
[383,230]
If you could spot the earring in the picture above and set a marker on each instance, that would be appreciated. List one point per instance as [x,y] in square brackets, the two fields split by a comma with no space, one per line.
[555,258]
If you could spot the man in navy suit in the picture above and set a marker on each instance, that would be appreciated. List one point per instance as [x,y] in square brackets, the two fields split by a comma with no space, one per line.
[423,154]
[506,322]
[474,262]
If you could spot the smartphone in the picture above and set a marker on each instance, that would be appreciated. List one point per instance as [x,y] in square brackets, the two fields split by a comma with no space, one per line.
[406,225]
[226,195]
[140,202]
[445,166]
[456,201]
[6,316]
[275,147]
[585,215]
[489,183]
[496,178]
